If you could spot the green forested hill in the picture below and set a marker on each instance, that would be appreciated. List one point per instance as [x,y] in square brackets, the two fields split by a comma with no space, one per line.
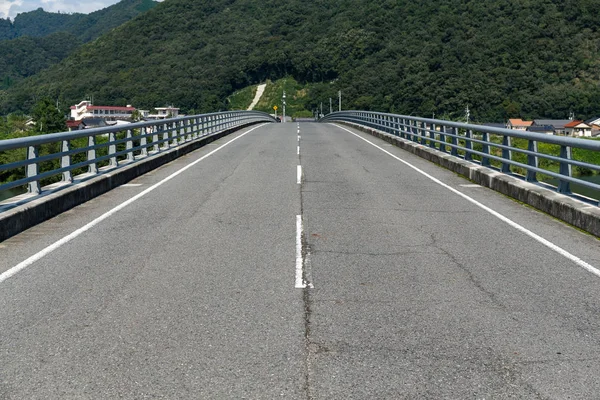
[41,39]
[39,23]
[503,58]
[26,56]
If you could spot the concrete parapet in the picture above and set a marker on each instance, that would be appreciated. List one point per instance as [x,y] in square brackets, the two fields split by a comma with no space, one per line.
[46,206]
[568,209]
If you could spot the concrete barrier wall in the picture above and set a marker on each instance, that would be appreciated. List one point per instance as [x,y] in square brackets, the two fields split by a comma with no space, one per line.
[570,210]
[40,209]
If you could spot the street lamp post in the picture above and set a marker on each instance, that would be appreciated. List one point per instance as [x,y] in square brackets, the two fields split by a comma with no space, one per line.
[283,102]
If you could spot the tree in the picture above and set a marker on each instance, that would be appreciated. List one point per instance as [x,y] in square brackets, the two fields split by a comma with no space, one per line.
[48,117]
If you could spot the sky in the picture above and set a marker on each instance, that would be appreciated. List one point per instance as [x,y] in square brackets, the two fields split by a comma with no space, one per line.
[10,8]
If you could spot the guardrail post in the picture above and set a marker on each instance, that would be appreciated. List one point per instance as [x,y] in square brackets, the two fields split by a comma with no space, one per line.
[443,138]
[143,142]
[174,134]
[194,125]
[454,142]
[468,144]
[396,126]
[32,170]
[154,130]
[112,149]
[532,161]
[418,132]
[91,155]
[165,138]
[565,169]
[65,161]
[432,135]
[485,149]
[185,131]
[506,154]
[129,145]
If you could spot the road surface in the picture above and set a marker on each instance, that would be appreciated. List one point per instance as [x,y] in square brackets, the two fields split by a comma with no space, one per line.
[301,261]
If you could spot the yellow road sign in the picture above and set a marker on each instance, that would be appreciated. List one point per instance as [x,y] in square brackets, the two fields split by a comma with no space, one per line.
[275,108]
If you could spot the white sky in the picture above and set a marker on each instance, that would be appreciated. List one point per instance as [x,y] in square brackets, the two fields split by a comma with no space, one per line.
[10,8]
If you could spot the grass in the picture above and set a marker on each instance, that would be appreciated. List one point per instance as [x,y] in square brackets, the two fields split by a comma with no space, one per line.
[242,99]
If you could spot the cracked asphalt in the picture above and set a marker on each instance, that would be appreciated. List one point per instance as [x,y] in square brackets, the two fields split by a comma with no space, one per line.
[189,291]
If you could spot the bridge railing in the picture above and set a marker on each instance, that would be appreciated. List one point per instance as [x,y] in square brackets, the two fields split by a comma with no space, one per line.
[520,153]
[68,156]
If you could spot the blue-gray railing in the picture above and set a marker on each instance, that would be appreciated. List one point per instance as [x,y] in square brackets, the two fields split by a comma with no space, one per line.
[468,140]
[108,148]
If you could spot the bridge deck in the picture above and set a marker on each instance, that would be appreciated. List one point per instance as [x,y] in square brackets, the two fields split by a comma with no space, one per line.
[189,292]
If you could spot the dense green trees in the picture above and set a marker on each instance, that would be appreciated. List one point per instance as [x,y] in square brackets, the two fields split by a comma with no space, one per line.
[503,58]
[41,39]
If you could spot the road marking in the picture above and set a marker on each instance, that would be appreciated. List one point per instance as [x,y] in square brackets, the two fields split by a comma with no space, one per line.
[131,185]
[298,150]
[24,264]
[300,284]
[545,242]
[298,137]
[298,130]
[299,175]
[472,185]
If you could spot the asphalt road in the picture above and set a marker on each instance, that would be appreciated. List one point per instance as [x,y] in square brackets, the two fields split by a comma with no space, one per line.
[408,290]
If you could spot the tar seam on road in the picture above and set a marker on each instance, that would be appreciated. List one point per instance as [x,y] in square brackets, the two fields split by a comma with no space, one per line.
[545,242]
[24,264]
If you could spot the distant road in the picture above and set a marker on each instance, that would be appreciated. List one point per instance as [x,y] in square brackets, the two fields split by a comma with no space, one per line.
[300,261]
[259,92]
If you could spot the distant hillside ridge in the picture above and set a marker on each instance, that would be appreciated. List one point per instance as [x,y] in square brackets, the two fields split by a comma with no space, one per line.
[40,39]
[501,58]
[86,27]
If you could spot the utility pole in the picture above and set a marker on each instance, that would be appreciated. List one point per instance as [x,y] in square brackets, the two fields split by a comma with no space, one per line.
[330,106]
[467,113]
[340,96]
[283,106]
[321,115]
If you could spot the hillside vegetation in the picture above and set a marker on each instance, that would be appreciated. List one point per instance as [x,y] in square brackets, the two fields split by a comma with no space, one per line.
[503,58]
[86,27]
[39,39]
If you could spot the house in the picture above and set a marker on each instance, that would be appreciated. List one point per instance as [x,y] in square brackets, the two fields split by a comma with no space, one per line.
[88,123]
[86,109]
[595,124]
[558,125]
[578,128]
[161,113]
[518,124]
[545,129]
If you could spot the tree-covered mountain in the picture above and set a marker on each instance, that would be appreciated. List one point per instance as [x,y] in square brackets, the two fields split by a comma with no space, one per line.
[503,58]
[86,27]
[41,39]
[26,56]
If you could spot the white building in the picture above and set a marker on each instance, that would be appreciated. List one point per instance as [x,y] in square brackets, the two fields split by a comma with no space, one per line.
[85,110]
[161,113]
[578,128]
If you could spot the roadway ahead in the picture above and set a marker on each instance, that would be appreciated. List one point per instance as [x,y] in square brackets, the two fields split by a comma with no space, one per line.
[400,287]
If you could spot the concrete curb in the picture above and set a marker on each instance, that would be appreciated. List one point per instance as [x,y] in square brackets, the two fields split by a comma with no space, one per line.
[33,212]
[570,210]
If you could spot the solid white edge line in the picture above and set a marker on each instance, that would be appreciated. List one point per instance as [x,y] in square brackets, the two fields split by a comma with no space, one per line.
[299,174]
[545,242]
[24,264]
[299,261]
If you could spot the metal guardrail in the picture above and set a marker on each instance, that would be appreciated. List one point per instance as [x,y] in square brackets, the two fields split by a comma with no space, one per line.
[103,149]
[485,145]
